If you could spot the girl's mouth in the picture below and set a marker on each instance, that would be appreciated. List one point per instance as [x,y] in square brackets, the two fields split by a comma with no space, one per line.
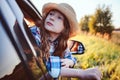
[49,23]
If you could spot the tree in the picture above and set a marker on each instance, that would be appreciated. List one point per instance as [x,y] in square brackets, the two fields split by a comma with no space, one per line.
[84,23]
[91,24]
[103,23]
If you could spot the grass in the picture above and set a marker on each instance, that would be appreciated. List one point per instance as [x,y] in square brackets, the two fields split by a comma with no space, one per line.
[102,53]
[116,37]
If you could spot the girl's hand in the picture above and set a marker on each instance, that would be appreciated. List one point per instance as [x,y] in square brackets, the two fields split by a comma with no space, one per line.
[91,74]
[67,63]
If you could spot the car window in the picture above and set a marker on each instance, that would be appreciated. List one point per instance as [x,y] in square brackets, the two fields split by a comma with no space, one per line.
[33,55]
[10,63]
[25,50]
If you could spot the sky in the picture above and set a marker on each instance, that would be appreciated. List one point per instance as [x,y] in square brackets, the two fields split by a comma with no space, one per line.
[85,7]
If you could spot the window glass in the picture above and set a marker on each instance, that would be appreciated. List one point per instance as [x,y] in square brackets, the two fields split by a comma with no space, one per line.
[8,55]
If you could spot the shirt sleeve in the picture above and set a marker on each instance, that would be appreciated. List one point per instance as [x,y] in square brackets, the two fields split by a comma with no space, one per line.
[54,66]
[36,33]
[68,55]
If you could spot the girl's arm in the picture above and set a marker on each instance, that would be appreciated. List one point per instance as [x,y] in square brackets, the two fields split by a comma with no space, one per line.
[88,74]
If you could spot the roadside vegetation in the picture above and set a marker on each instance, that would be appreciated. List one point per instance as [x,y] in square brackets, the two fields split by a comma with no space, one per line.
[102,43]
[102,53]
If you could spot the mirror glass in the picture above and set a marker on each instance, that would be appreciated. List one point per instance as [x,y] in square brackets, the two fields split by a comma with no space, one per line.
[76,47]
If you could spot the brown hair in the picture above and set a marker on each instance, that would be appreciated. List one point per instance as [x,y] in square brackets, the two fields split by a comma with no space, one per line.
[44,47]
[62,39]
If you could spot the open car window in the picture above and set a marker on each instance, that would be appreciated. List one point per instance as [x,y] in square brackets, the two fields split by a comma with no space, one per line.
[18,51]
[32,18]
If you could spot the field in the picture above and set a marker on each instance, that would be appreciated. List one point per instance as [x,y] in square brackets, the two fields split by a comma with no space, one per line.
[116,37]
[102,53]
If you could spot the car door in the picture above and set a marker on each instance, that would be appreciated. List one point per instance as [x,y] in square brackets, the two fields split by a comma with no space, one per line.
[19,53]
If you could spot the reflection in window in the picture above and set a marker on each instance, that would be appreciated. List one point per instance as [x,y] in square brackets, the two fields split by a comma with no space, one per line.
[35,64]
[8,55]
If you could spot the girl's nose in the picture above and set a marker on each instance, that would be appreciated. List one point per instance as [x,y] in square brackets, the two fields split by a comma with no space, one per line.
[52,18]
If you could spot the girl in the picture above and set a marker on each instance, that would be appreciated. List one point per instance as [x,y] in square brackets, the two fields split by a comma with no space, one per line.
[59,24]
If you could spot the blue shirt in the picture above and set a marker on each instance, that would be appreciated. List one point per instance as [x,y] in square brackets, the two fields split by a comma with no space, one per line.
[53,65]
[36,33]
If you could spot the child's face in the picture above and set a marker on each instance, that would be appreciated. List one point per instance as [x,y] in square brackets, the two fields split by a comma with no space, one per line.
[54,22]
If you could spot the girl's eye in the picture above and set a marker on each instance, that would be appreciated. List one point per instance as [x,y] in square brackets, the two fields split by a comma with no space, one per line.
[51,13]
[60,17]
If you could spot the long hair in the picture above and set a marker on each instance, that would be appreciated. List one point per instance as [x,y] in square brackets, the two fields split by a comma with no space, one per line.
[44,41]
[62,39]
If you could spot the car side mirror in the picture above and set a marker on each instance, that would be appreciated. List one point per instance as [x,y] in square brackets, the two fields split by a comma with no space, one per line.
[76,47]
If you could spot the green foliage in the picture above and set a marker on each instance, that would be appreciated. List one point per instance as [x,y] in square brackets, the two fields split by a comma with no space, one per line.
[91,24]
[103,23]
[102,53]
[84,23]
[99,22]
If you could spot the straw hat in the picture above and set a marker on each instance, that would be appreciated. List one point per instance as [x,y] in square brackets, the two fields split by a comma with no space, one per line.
[68,11]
